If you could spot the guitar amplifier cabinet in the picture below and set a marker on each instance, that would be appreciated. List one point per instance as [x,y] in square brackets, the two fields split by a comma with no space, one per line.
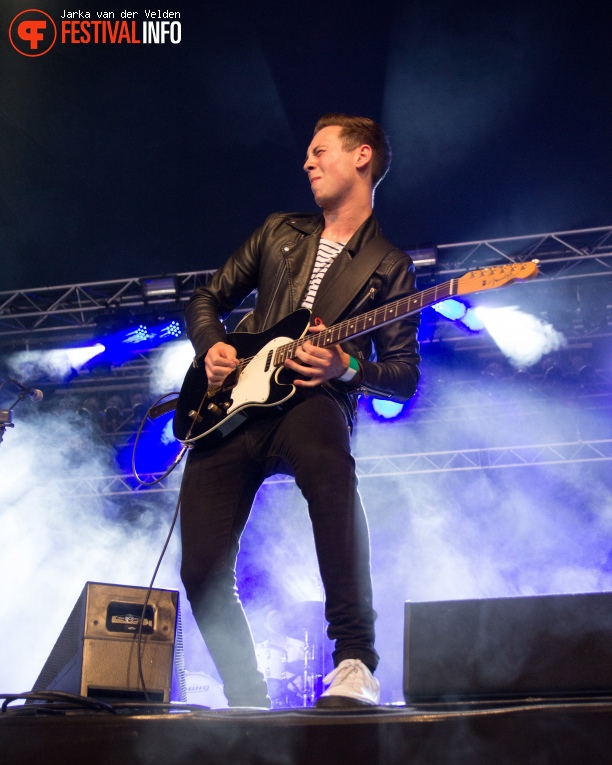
[508,648]
[95,654]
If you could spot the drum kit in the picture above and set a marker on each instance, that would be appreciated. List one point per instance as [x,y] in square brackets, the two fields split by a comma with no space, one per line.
[292,659]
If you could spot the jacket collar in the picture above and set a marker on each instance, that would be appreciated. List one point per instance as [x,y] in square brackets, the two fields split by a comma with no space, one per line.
[306,223]
[313,224]
[368,230]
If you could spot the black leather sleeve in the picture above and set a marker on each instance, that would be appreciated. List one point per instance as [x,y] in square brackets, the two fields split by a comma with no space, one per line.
[389,357]
[230,285]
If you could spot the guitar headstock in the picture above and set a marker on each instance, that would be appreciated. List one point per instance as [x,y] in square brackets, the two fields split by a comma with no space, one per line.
[496,276]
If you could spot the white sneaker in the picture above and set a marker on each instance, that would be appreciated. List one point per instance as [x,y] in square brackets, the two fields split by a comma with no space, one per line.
[350,684]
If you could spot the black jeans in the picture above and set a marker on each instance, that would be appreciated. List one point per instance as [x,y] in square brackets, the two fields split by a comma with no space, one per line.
[311,441]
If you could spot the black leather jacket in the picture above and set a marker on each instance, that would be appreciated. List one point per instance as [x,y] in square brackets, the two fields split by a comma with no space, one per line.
[277,260]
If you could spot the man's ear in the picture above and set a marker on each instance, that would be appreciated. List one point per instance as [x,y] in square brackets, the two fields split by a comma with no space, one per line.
[364,156]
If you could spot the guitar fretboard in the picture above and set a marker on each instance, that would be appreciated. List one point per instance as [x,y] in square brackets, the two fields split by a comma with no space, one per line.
[366,322]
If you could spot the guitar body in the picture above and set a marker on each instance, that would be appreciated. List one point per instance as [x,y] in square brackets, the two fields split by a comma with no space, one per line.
[204,416]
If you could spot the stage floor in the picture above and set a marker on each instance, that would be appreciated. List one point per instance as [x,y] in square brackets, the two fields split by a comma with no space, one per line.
[560,733]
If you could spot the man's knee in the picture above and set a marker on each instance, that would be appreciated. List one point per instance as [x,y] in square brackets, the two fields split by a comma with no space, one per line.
[204,581]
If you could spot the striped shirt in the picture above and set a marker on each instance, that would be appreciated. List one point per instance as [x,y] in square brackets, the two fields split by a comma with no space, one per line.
[325,257]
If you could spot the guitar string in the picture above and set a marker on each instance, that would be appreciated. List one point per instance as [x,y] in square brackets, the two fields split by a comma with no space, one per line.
[429,295]
[404,303]
[377,316]
[317,340]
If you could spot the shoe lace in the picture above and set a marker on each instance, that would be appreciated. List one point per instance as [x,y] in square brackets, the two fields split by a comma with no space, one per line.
[350,673]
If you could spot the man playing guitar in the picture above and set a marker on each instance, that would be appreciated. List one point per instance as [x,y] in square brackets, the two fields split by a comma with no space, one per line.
[337,265]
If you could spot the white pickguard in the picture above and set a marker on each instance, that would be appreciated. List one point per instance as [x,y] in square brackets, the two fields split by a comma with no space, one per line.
[254,382]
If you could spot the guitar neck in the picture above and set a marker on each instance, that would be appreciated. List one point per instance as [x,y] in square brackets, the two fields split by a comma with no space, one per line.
[384,314]
[474,281]
[367,322]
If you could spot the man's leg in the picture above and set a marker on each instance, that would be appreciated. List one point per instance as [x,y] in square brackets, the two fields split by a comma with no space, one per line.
[313,438]
[217,493]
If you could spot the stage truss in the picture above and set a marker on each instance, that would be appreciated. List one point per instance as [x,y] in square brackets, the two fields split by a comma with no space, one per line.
[382,466]
[71,311]
[44,316]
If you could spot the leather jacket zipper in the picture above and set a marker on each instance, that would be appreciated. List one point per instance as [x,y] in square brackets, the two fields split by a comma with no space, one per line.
[370,296]
[284,249]
[274,293]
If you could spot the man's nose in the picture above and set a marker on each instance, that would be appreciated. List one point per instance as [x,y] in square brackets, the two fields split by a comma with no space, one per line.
[309,164]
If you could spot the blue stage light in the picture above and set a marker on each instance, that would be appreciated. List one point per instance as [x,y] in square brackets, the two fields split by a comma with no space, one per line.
[139,335]
[122,344]
[171,330]
[157,448]
[386,409]
[455,310]
[57,364]
[451,309]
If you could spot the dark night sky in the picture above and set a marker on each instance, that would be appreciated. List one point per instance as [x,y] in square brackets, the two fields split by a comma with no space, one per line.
[131,160]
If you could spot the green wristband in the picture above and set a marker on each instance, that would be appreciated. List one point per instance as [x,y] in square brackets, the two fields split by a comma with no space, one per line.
[352,370]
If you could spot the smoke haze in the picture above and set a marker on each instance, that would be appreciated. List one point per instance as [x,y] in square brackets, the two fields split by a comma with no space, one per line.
[446,528]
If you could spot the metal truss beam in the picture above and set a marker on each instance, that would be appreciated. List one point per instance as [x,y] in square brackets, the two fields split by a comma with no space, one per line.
[383,466]
[562,255]
[72,310]
[76,307]
[485,459]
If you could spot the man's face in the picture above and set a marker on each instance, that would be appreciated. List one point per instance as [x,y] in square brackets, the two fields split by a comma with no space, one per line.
[331,170]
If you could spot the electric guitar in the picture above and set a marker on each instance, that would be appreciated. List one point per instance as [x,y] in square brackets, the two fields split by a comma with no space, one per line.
[205,414]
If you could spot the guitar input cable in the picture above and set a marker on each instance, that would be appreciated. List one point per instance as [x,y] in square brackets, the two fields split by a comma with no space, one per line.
[176,462]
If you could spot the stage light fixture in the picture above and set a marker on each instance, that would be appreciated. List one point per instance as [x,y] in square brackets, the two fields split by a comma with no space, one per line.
[139,335]
[173,329]
[139,407]
[584,372]
[114,407]
[426,255]
[157,448]
[522,376]
[387,409]
[552,369]
[451,309]
[159,286]
[90,409]
[152,336]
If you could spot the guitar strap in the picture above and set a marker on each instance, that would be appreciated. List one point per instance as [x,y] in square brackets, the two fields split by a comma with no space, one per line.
[336,293]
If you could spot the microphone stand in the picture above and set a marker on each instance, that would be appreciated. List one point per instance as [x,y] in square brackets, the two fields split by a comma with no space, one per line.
[6,421]
[6,415]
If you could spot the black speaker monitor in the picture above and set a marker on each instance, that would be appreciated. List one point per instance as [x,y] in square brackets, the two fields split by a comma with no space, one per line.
[508,648]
